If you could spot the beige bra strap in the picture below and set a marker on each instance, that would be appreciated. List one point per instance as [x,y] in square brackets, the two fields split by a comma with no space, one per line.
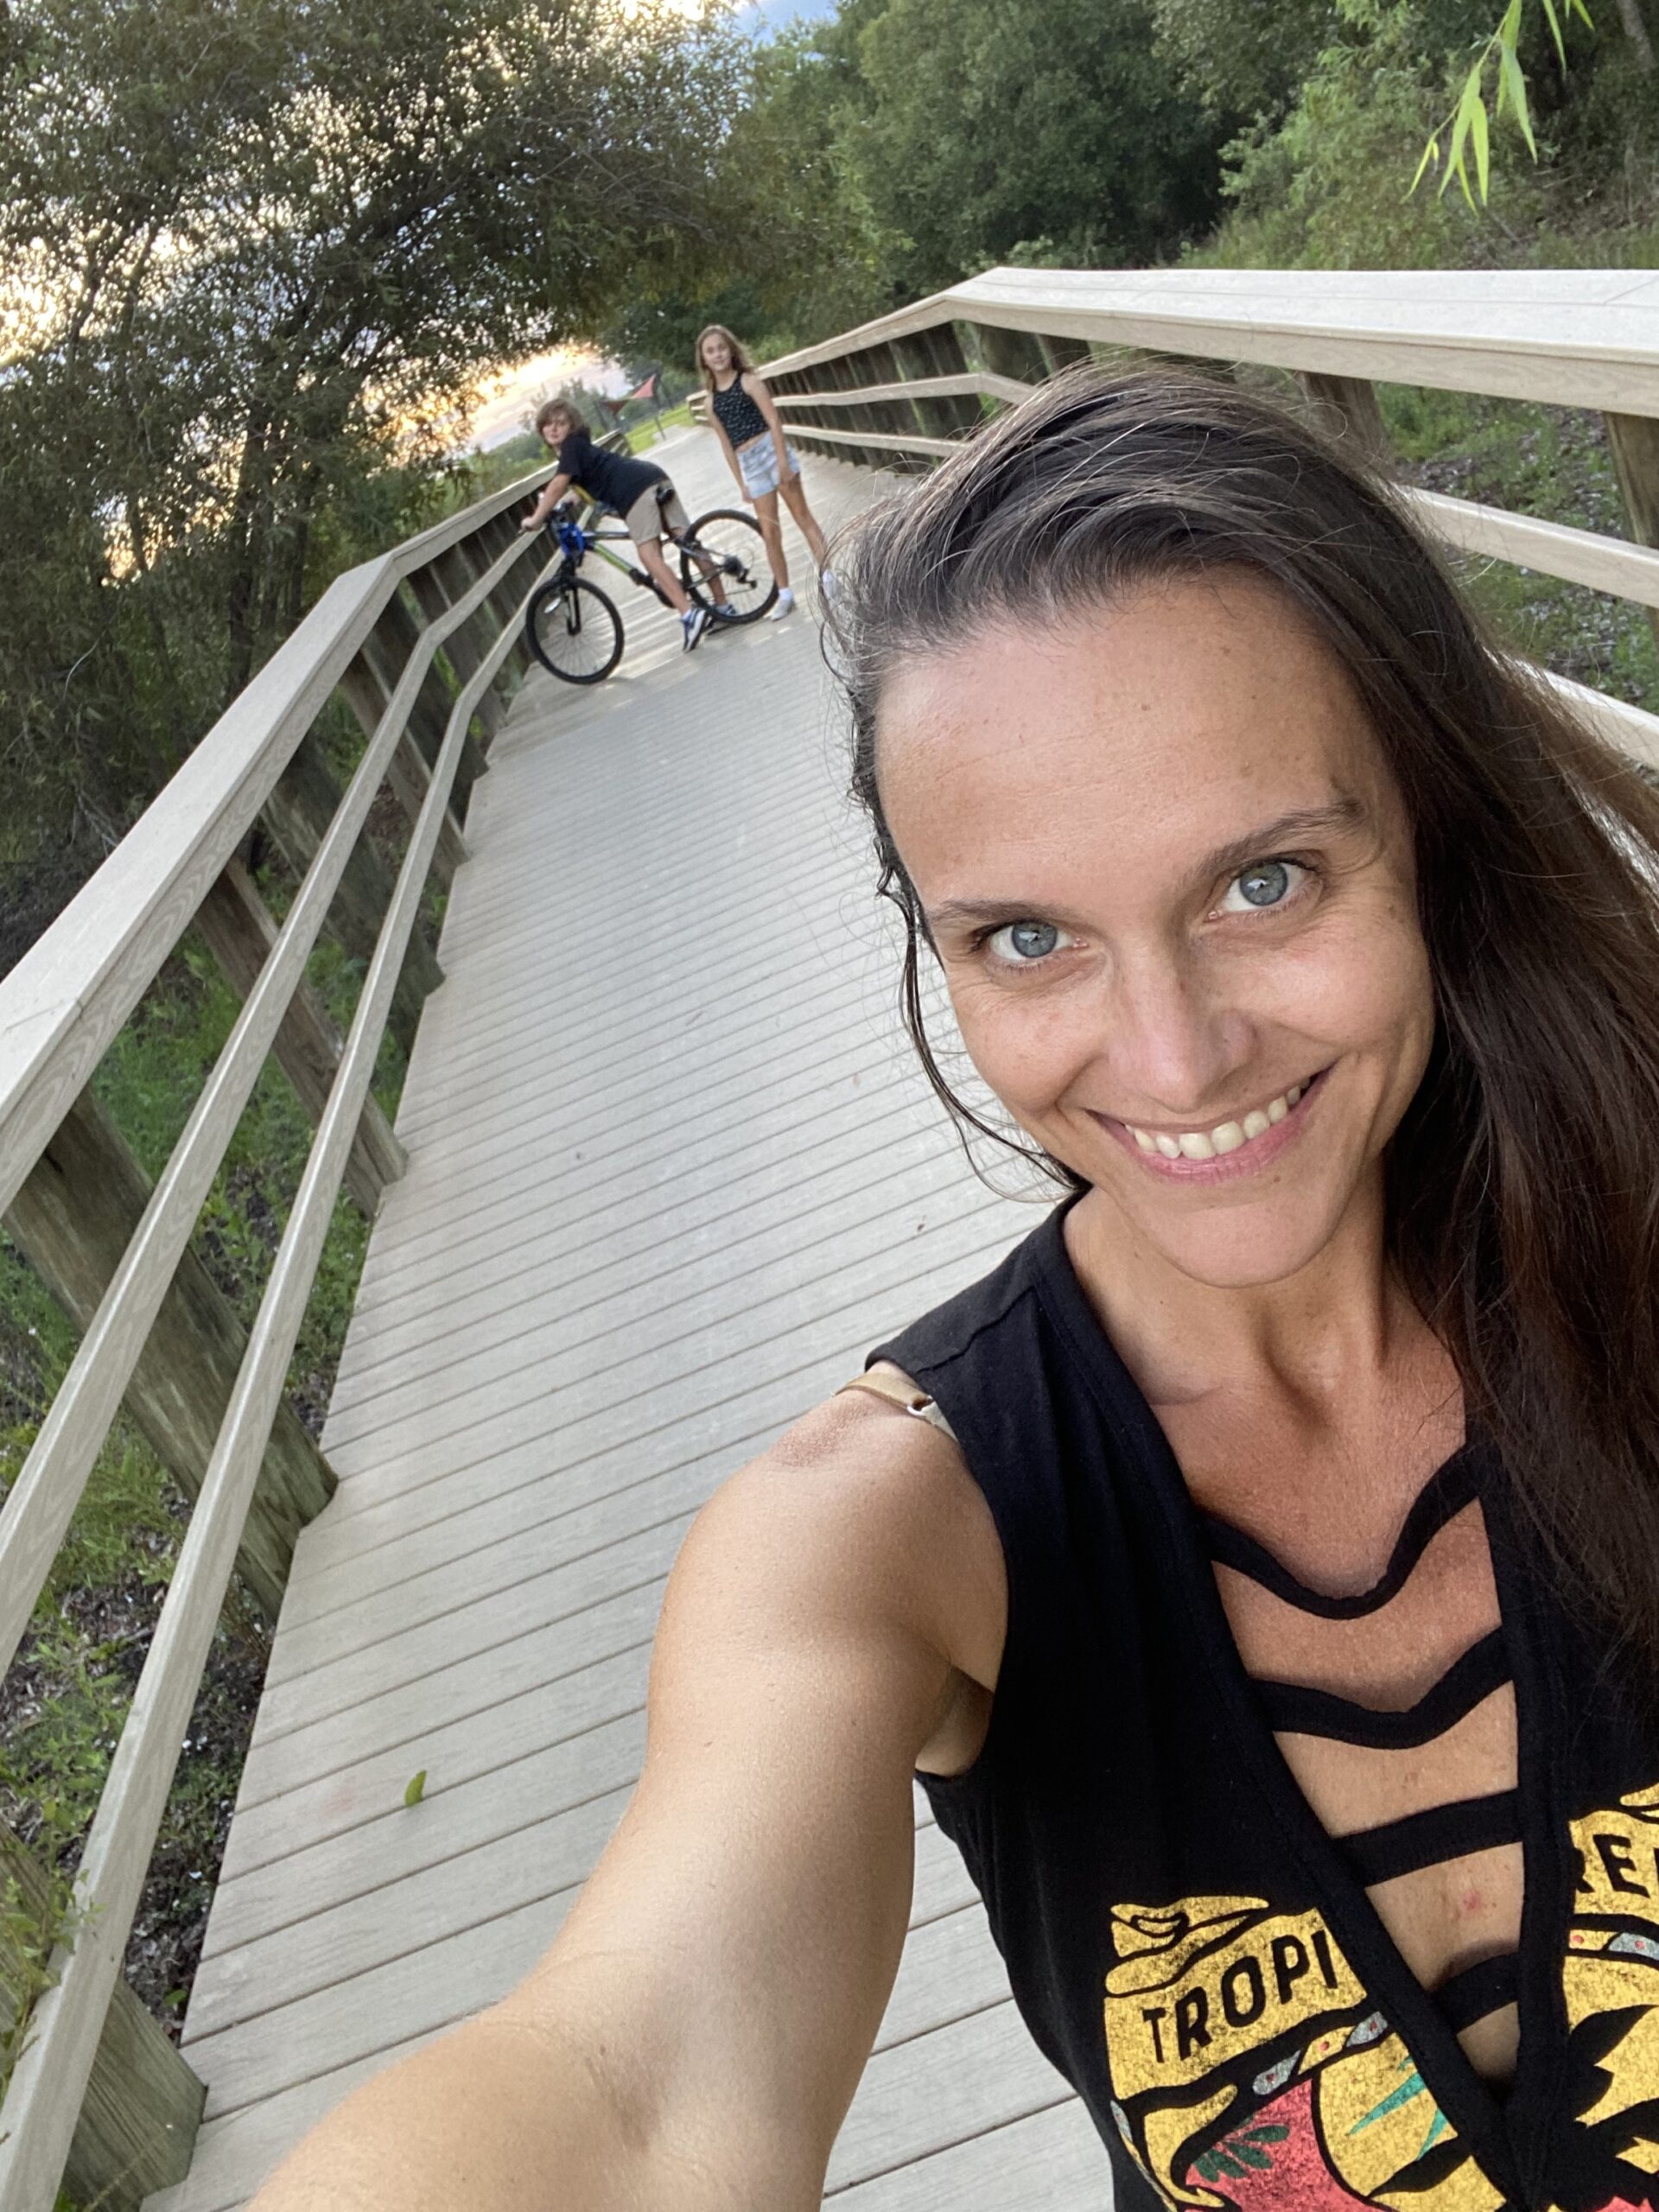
[898,1390]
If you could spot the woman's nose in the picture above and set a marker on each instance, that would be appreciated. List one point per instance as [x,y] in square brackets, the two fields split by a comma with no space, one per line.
[1174,1043]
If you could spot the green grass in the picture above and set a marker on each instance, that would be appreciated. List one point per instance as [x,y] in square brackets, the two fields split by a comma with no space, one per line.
[643,436]
[1549,461]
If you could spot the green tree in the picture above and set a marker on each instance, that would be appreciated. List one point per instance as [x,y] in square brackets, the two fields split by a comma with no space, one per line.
[255,256]
[994,124]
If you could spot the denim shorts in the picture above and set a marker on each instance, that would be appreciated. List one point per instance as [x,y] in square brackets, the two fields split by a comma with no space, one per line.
[758,462]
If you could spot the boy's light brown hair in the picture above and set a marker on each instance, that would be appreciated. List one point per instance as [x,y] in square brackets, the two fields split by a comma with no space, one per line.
[572,413]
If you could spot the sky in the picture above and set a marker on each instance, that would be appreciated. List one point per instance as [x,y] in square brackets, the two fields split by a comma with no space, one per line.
[514,392]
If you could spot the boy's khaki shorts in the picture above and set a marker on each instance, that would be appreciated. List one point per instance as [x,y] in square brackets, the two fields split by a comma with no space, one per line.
[649,516]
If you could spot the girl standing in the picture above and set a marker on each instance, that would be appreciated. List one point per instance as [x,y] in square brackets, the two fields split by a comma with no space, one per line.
[763,461]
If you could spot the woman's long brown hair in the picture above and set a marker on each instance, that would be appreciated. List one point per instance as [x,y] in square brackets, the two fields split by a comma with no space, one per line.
[1524,1179]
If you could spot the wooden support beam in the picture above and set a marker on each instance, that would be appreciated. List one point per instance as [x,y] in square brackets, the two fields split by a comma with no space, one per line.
[938,353]
[1063,353]
[1634,443]
[142,2105]
[483,547]
[1009,353]
[386,651]
[1345,410]
[239,929]
[73,1219]
[407,771]
[436,587]
[304,802]
[454,573]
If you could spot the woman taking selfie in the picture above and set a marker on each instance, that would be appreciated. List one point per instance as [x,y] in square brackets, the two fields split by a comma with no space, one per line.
[762,461]
[1268,1589]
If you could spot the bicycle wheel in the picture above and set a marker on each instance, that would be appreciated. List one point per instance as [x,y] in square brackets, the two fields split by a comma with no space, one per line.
[730,544]
[574,631]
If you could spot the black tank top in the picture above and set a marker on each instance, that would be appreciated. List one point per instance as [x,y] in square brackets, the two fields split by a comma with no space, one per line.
[1188,1946]
[739,418]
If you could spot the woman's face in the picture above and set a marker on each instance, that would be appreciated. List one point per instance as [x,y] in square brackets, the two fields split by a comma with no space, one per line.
[716,354]
[1170,880]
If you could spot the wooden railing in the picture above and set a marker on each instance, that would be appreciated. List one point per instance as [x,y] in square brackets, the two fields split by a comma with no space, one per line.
[905,390]
[100,2099]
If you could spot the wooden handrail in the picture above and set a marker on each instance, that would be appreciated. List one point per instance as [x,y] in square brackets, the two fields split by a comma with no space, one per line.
[1578,338]
[63,1003]
[40,2111]
[1584,338]
[60,1009]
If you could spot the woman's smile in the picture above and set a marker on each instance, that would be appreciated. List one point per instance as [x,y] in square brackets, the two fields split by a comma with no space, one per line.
[1240,1144]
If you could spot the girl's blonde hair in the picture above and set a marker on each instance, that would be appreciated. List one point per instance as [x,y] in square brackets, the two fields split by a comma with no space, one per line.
[740,360]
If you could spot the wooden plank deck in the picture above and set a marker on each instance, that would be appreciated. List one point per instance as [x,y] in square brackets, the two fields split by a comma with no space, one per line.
[670,1172]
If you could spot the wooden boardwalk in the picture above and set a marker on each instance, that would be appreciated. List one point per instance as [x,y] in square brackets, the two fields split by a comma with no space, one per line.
[670,1172]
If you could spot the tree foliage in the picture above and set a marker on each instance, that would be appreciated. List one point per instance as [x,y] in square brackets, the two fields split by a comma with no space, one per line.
[253,255]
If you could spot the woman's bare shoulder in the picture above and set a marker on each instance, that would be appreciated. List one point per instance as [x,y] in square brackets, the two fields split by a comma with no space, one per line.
[862,1505]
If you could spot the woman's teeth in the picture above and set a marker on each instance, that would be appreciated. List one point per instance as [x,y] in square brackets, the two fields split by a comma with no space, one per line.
[1229,1136]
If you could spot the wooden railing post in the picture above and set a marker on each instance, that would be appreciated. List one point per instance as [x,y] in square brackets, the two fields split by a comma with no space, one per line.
[365,692]
[386,651]
[1009,353]
[880,364]
[1064,352]
[144,2103]
[436,587]
[239,929]
[454,572]
[302,805]
[1346,408]
[73,1219]
[938,353]
[1633,441]
[486,545]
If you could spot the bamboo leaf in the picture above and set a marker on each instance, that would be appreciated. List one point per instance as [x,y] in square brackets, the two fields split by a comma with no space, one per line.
[1469,96]
[416,1789]
[1463,179]
[1555,22]
[1482,154]
[1511,74]
[1431,153]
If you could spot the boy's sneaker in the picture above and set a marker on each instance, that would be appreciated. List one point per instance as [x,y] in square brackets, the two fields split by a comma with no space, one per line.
[693,623]
[785,605]
[723,611]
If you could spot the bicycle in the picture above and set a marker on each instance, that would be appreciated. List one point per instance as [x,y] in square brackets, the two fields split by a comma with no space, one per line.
[574,629]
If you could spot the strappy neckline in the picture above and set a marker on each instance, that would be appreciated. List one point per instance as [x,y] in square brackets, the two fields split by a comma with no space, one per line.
[1476,2106]
[1454,1484]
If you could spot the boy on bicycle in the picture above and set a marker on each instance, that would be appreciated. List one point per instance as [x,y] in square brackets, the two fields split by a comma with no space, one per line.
[631,486]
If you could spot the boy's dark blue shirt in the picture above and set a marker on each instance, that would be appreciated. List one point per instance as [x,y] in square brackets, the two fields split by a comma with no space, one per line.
[615,479]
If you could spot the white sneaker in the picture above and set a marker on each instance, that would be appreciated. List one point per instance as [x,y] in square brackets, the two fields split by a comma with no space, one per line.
[785,605]
[695,620]
[829,582]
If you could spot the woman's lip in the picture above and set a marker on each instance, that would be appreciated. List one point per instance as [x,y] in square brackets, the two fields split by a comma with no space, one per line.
[1227,1166]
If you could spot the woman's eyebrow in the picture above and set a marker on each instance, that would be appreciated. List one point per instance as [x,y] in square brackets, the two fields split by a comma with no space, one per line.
[1343,815]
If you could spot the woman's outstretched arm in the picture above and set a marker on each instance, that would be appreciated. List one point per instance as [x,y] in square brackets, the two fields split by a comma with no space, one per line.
[692,2040]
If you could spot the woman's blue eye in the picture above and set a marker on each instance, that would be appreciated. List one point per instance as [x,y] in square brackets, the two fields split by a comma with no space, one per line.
[1024,940]
[1265,883]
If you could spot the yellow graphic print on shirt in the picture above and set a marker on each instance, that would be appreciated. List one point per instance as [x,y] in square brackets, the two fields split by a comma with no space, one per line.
[1201,1991]
[1610,1976]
